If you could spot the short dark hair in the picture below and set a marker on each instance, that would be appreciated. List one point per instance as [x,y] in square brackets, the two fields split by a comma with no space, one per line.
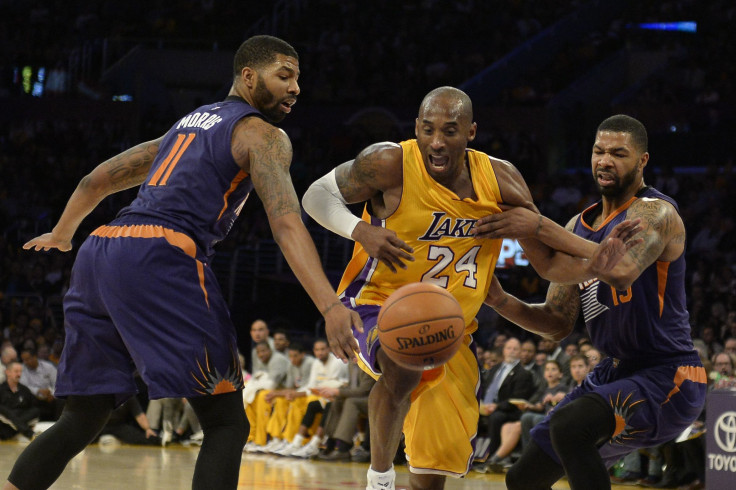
[621,123]
[296,346]
[260,50]
[579,357]
[31,351]
[264,342]
[555,362]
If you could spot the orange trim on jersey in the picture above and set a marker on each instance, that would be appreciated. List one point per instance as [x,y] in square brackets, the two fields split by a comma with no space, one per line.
[662,268]
[233,185]
[620,210]
[696,374]
[175,238]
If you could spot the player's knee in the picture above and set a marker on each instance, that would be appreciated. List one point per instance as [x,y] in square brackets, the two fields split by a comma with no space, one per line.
[563,427]
[398,381]
[582,422]
[242,428]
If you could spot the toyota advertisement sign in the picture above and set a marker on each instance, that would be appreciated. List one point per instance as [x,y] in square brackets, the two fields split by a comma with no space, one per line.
[720,458]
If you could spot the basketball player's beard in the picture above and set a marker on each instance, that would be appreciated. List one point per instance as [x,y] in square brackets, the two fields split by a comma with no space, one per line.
[266,103]
[621,184]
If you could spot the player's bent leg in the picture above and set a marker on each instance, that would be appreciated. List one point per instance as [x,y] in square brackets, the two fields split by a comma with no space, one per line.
[426,482]
[577,430]
[225,428]
[43,461]
[388,404]
[535,470]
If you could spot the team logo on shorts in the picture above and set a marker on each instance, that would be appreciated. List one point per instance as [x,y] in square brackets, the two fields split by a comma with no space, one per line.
[623,410]
[211,382]
[371,338]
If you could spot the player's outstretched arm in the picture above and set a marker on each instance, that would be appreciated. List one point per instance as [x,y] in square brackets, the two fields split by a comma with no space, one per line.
[556,253]
[123,171]
[266,153]
[554,319]
[376,170]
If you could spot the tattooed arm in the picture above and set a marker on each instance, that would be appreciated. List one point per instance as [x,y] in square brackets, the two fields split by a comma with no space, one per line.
[265,152]
[123,171]
[554,319]
[662,238]
[376,174]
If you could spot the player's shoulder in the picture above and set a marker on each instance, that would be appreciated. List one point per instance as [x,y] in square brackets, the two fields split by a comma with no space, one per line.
[255,131]
[383,150]
[653,206]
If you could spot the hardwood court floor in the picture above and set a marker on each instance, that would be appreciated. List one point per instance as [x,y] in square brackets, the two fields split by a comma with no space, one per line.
[151,468]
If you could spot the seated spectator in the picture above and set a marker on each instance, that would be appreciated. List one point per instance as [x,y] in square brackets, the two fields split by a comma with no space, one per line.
[526,357]
[724,372]
[188,424]
[491,357]
[281,341]
[708,337]
[729,346]
[594,356]
[273,413]
[578,369]
[534,411]
[348,404]
[40,377]
[505,382]
[306,404]
[270,371]
[555,353]
[545,400]
[163,415]
[7,355]
[129,425]
[18,411]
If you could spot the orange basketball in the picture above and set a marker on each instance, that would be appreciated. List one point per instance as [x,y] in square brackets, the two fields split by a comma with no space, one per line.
[420,326]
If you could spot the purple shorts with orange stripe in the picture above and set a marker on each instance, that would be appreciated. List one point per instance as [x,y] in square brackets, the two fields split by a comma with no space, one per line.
[652,404]
[143,298]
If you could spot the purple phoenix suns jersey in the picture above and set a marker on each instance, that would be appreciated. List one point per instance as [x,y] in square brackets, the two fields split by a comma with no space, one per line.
[194,184]
[650,319]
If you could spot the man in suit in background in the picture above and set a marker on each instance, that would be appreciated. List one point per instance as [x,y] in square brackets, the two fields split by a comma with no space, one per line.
[503,382]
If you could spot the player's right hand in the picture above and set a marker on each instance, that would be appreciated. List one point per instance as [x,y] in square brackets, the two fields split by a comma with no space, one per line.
[46,242]
[339,323]
[384,245]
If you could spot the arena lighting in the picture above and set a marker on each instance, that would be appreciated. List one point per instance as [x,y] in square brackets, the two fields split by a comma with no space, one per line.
[686,26]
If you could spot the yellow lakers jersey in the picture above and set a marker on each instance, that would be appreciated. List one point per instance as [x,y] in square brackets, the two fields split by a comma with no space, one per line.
[436,224]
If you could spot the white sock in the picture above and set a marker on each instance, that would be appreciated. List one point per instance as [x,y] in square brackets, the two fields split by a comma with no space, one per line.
[383,480]
[298,440]
[314,441]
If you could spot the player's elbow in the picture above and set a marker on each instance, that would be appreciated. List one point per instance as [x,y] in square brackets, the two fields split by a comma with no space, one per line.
[310,198]
[620,280]
[560,334]
[557,327]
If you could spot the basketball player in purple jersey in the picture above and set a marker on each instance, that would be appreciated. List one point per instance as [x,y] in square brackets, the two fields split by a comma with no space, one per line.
[652,386]
[142,294]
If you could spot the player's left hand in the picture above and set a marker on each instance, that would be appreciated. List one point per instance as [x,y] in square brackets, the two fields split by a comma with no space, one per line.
[514,222]
[47,241]
[613,248]
[339,324]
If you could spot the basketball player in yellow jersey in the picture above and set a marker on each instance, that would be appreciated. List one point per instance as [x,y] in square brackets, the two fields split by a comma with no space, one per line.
[424,197]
